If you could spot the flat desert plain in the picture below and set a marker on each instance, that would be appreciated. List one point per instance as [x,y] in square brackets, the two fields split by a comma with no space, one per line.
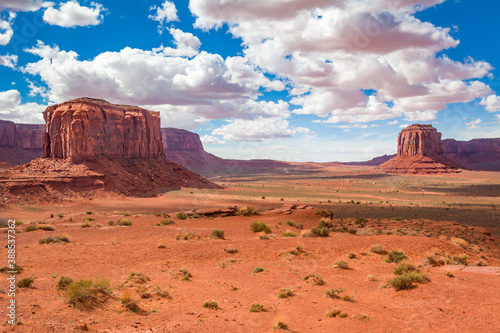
[340,249]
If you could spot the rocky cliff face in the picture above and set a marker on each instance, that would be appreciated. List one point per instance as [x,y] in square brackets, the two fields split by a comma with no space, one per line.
[7,134]
[417,139]
[85,128]
[477,154]
[420,152]
[20,143]
[179,139]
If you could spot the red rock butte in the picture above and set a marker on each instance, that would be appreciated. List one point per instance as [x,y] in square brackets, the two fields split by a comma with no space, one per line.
[86,128]
[420,152]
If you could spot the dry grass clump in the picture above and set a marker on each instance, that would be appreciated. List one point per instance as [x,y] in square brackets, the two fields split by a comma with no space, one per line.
[285,293]
[378,249]
[34,227]
[166,222]
[315,278]
[403,268]
[405,281]
[257,308]
[181,216]
[183,273]
[84,294]
[138,277]
[395,256]
[260,227]
[341,264]
[459,241]
[247,211]
[336,313]
[26,282]
[334,293]
[55,239]
[289,233]
[124,222]
[129,301]
[185,235]
[64,282]
[230,250]
[217,233]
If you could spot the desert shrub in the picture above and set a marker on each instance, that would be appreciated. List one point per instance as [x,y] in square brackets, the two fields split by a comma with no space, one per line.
[260,227]
[289,233]
[334,293]
[86,225]
[89,213]
[399,218]
[258,270]
[217,233]
[111,222]
[83,293]
[320,231]
[403,268]
[334,313]
[351,256]
[46,227]
[458,260]
[342,264]
[323,213]
[13,268]
[247,211]
[257,308]
[299,226]
[31,227]
[138,277]
[124,222]
[348,298]
[378,248]
[315,278]
[404,281]
[126,214]
[361,221]
[166,222]
[211,305]
[370,277]
[433,259]
[128,301]
[459,241]
[161,246]
[395,256]
[26,282]
[230,250]
[181,216]
[54,239]
[185,235]
[291,223]
[285,293]
[184,274]
[353,231]
[64,282]
[325,222]
[4,223]
[448,274]
[281,326]
[307,233]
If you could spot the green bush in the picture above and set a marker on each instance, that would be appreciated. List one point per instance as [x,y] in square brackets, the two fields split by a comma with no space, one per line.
[26,282]
[315,278]
[166,222]
[217,233]
[257,308]
[403,268]
[124,222]
[281,326]
[181,216]
[54,239]
[211,305]
[258,270]
[260,226]
[83,294]
[396,256]
[285,293]
[64,282]
[321,231]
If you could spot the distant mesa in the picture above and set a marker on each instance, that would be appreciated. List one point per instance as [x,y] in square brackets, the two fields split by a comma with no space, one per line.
[420,152]
[20,143]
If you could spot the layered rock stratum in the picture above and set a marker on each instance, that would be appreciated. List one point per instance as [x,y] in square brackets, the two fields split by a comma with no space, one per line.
[85,128]
[420,152]
[476,154]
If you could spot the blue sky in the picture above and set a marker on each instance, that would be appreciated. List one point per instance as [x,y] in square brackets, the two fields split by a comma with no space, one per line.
[296,80]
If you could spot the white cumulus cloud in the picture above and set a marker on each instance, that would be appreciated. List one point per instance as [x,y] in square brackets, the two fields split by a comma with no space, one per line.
[8,60]
[473,124]
[164,14]
[11,108]
[491,103]
[72,14]
[209,139]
